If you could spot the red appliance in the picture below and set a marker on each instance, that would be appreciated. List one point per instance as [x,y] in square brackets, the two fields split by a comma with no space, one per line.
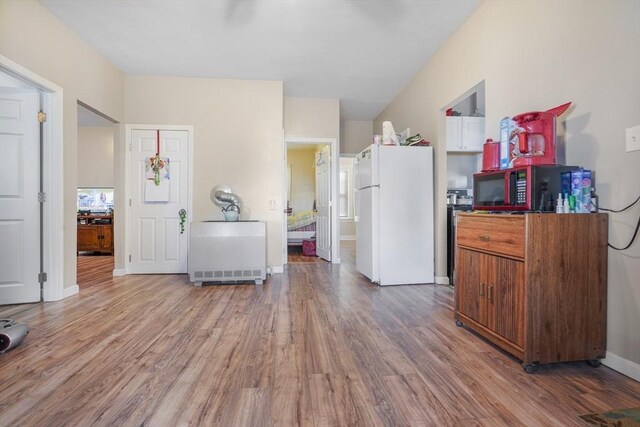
[537,137]
[491,155]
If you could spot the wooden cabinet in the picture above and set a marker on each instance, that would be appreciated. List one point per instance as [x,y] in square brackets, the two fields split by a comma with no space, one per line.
[465,134]
[534,284]
[95,233]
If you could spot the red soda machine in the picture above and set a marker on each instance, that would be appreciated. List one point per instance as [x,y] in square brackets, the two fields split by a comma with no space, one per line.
[536,132]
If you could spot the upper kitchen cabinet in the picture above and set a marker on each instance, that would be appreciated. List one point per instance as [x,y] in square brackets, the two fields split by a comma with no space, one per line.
[465,134]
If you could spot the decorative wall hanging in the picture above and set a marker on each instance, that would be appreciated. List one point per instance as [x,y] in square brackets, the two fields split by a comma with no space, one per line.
[157,176]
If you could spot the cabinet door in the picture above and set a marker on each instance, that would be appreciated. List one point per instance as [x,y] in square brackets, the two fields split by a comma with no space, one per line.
[473,133]
[106,240]
[470,286]
[505,298]
[88,237]
[454,133]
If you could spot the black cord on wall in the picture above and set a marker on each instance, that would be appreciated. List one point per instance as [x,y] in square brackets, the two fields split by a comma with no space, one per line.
[635,233]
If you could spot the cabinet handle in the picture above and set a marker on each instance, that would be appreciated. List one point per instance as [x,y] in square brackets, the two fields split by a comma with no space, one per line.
[490,293]
[485,237]
[481,289]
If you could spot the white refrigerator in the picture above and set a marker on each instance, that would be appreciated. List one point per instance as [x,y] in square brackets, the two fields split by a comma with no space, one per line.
[394,214]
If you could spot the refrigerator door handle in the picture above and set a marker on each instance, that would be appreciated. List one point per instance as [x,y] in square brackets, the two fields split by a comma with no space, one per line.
[369,186]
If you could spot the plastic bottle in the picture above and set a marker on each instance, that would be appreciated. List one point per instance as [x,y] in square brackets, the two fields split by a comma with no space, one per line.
[566,203]
[559,204]
[572,204]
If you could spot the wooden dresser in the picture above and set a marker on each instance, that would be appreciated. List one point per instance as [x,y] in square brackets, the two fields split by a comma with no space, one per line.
[534,284]
[95,233]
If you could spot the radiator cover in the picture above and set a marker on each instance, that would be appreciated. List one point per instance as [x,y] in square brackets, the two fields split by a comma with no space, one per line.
[227,252]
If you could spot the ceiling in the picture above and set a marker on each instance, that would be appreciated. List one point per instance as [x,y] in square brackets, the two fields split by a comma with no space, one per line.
[362,52]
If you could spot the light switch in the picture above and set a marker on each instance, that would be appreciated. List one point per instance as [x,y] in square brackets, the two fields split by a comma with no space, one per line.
[633,138]
[272,204]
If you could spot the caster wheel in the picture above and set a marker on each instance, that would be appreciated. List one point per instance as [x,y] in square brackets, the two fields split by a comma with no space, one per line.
[458,323]
[531,368]
[594,362]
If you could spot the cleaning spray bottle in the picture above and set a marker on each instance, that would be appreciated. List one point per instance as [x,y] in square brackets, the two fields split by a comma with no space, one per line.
[559,205]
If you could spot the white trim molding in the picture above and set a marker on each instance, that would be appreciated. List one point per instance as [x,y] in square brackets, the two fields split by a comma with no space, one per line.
[119,272]
[276,269]
[70,290]
[622,365]
[442,280]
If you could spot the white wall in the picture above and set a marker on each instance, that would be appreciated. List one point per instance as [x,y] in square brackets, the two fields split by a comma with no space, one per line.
[95,157]
[237,140]
[581,51]
[35,39]
[312,117]
[356,135]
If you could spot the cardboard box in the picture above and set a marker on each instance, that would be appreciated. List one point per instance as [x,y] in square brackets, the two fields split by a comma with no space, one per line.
[587,184]
[581,184]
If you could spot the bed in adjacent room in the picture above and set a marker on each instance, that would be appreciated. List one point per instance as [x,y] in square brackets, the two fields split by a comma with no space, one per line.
[301,226]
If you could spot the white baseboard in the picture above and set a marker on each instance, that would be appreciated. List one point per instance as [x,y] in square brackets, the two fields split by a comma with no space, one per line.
[119,272]
[622,365]
[70,290]
[276,269]
[347,237]
[442,280]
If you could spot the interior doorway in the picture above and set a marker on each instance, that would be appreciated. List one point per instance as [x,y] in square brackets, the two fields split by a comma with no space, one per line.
[311,228]
[465,128]
[302,202]
[50,197]
[95,195]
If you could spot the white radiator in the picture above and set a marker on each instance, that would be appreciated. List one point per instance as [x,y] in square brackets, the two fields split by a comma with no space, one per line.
[227,252]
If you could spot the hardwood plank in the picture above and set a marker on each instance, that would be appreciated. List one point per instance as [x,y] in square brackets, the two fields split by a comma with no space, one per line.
[317,345]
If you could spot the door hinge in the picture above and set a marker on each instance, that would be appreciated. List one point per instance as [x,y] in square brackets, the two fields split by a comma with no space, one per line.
[129,258]
[42,117]
[129,202]
[42,197]
[42,277]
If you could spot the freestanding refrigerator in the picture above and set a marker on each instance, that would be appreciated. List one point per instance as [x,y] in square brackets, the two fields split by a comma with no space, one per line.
[394,214]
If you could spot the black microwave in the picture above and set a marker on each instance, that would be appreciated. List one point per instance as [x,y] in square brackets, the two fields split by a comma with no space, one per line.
[526,188]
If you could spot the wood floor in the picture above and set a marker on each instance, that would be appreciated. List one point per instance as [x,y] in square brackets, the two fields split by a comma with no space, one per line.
[294,254]
[317,345]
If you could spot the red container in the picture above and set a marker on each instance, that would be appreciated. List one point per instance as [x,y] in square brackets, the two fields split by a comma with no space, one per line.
[309,247]
[491,156]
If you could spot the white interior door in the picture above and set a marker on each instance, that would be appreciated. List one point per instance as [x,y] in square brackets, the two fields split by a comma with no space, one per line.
[157,243]
[323,203]
[19,187]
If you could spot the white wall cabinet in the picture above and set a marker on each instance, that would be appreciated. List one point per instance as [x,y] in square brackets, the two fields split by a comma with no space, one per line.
[465,134]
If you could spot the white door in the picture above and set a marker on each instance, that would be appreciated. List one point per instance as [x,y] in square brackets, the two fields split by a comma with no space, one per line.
[323,203]
[157,241]
[19,186]
[367,261]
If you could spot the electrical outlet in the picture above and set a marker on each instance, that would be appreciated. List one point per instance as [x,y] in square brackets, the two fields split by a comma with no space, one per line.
[633,138]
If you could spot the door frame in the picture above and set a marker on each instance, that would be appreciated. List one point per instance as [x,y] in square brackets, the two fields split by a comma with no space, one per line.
[127,182]
[335,175]
[53,178]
